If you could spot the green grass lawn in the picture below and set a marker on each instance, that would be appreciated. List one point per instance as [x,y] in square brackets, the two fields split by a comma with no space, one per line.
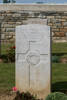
[59,47]
[59,72]
[59,76]
[7,76]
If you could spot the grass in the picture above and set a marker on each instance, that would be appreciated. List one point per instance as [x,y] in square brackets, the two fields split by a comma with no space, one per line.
[59,72]
[59,47]
[59,76]
[7,76]
[64,56]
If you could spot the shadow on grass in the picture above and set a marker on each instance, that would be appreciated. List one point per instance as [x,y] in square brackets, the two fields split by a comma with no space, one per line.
[59,87]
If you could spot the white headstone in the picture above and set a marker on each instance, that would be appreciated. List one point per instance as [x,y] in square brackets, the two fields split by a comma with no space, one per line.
[33,59]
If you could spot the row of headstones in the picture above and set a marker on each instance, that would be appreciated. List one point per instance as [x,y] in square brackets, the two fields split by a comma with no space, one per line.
[33,58]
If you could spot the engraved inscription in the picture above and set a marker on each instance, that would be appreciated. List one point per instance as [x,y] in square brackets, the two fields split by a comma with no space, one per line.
[33,58]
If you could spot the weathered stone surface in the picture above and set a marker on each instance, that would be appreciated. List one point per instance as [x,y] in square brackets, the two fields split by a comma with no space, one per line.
[60,39]
[2,36]
[18,23]
[16,15]
[50,17]
[13,15]
[66,34]
[55,30]
[63,19]
[10,29]
[35,21]
[52,33]
[63,29]
[12,22]
[58,24]
[1,17]
[58,17]
[8,25]
[59,34]
[9,37]
[50,24]
[33,59]
[3,30]
[65,24]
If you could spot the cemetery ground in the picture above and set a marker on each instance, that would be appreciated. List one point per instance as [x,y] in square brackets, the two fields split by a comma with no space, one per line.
[7,76]
[59,70]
